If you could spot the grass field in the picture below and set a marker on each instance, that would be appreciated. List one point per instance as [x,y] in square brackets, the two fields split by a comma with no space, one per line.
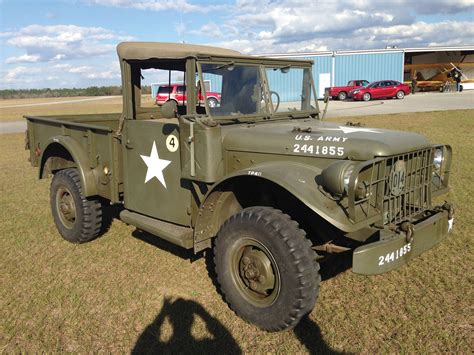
[14,109]
[128,290]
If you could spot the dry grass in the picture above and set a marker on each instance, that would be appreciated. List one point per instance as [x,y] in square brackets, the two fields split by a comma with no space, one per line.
[57,106]
[128,289]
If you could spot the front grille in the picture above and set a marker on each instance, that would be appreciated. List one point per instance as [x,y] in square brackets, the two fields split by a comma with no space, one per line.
[388,198]
[416,194]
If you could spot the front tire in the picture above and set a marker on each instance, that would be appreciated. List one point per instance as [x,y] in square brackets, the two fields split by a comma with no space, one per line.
[77,218]
[266,268]
[212,102]
[366,97]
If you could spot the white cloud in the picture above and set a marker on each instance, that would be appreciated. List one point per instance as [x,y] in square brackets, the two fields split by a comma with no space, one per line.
[60,42]
[60,75]
[153,5]
[109,74]
[25,58]
[283,26]
[22,75]
[79,70]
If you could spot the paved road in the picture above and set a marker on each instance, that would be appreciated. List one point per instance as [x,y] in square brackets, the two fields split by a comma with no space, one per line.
[420,102]
[413,103]
[12,127]
[62,102]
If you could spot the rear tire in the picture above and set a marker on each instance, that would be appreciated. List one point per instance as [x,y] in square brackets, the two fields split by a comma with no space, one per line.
[266,268]
[400,95]
[342,96]
[366,97]
[77,218]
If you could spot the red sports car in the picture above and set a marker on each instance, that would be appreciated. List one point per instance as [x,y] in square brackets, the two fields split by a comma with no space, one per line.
[380,89]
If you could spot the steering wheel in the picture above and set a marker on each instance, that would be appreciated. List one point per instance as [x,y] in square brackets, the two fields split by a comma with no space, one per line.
[278,100]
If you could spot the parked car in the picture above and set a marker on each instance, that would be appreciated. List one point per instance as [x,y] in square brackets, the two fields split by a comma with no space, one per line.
[177,92]
[380,89]
[341,92]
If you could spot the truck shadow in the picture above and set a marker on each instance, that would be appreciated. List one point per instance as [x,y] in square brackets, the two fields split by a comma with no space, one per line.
[335,265]
[162,244]
[181,315]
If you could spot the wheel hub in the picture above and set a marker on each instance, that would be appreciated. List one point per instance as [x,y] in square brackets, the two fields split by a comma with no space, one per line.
[66,207]
[256,271]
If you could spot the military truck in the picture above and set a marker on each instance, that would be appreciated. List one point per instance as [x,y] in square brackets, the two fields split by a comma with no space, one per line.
[260,179]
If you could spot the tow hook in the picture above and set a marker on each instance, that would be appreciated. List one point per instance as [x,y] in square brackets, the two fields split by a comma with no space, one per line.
[408,228]
[450,208]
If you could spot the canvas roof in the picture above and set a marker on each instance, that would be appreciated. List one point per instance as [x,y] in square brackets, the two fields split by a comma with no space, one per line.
[150,50]
[163,50]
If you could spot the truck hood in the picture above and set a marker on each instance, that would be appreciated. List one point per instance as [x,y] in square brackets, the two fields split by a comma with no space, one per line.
[320,139]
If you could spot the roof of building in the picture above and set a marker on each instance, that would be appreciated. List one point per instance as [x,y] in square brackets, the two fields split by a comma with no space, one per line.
[370,51]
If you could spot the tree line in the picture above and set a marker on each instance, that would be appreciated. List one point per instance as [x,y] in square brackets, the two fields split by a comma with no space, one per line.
[65,92]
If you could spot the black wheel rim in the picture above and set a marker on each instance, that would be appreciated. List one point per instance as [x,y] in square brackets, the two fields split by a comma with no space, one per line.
[66,207]
[255,272]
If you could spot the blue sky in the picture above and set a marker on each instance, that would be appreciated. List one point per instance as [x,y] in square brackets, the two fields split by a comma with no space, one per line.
[71,43]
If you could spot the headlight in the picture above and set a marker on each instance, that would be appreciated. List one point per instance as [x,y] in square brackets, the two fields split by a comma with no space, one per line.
[438,159]
[356,91]
[346,177]
[335,178]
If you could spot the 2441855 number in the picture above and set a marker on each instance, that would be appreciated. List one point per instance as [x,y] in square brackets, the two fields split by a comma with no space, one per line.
[318,150]
[394,255]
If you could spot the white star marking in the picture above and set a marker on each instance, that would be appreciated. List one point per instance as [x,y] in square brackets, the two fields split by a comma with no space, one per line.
[347,130]
[155,166]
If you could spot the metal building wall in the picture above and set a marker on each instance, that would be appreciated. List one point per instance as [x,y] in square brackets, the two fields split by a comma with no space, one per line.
[215,81]
[368,66]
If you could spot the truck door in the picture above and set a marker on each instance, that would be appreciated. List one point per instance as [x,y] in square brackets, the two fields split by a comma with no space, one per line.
[152,171]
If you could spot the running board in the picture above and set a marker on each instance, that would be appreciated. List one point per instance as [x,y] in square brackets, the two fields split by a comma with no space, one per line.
[179,235]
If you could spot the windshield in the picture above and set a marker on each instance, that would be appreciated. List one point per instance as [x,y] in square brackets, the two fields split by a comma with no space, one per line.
[291,89]
[238,89]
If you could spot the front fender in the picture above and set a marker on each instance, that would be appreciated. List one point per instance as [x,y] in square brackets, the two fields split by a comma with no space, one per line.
[300,180]
[88,180]
[296,178]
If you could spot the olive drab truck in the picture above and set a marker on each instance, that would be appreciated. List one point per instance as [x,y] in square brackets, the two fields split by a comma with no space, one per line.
[259,178]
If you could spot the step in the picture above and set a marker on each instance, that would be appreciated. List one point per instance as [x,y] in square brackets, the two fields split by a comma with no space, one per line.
[173,233]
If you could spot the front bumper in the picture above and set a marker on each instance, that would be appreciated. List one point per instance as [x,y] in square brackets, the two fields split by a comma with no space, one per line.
[395,251]
[357,96]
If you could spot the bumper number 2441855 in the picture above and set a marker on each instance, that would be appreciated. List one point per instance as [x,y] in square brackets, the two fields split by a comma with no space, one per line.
[394,255]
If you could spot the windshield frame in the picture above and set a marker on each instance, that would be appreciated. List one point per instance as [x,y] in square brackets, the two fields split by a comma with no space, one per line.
[268,112]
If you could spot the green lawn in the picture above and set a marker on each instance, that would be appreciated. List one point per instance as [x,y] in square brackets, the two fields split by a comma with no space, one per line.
[128,290]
